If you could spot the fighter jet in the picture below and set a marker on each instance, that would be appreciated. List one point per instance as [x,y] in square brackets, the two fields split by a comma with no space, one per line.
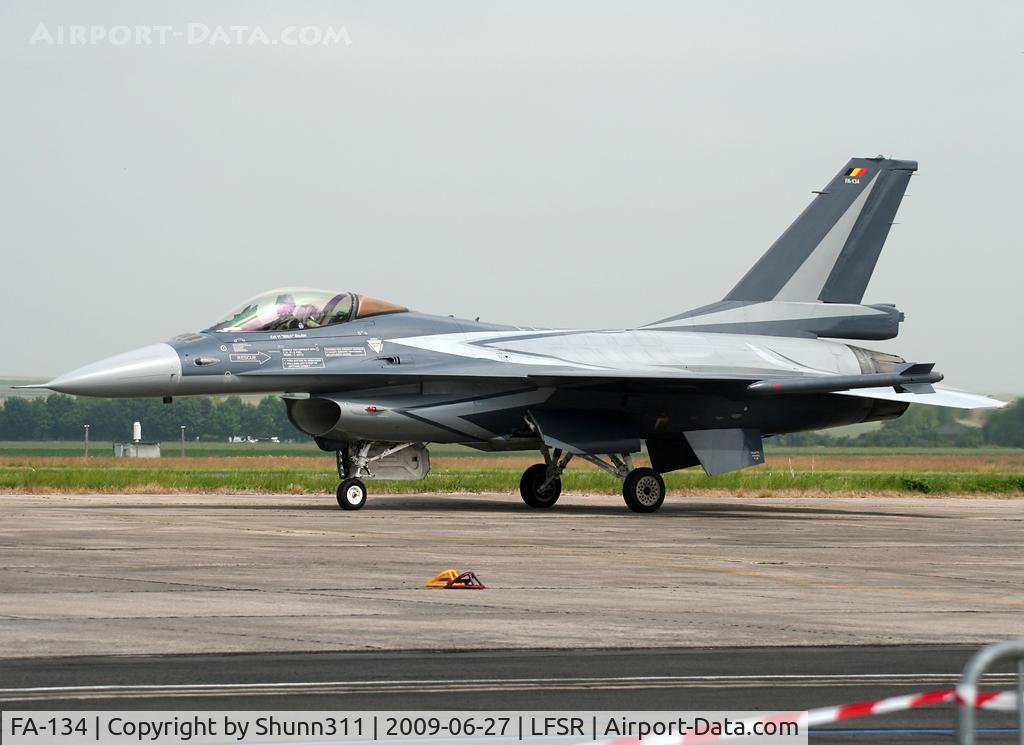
[375,382]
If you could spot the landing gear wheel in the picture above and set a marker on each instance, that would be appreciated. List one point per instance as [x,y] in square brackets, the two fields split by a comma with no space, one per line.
[530,483]
[643,490]
[351,494]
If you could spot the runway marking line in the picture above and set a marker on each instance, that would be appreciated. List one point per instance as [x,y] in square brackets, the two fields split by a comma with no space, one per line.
[357,686]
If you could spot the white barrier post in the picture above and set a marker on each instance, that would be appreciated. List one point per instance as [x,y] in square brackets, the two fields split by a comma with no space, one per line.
[967,688]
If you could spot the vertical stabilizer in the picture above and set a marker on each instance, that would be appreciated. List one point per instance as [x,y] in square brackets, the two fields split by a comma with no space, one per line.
[830,251]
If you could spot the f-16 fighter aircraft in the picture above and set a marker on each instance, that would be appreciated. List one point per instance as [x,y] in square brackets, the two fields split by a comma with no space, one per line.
[375,382]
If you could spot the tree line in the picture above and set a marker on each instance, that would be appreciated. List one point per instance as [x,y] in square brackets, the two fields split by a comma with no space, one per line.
[927,426]
[60,417]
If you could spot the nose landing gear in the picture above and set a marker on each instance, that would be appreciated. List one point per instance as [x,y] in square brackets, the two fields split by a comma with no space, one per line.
[353,466]
[351,494]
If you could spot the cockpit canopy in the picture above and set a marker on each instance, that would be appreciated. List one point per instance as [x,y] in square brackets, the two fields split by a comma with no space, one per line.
[293,308]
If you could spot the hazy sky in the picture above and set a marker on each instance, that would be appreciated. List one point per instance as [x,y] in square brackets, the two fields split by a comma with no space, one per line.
[548,163]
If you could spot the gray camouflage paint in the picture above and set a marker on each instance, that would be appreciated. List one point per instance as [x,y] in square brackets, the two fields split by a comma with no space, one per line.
[413,377]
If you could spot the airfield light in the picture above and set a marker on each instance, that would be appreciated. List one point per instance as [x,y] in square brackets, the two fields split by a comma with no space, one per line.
[86,440]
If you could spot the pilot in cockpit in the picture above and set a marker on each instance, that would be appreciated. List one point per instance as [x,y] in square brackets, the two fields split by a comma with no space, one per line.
[274,317]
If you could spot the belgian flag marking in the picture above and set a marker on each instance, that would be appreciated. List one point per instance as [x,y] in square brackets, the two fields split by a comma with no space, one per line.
[856,172]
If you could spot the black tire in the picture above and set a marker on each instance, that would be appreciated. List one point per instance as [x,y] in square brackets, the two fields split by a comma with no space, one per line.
[351,494]
[643,490]
[529,487]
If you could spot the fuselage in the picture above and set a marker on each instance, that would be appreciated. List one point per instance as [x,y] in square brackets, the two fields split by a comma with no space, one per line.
[415,377]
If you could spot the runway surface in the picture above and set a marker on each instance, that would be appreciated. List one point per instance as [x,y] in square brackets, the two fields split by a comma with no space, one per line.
[152,574]
[661,679]
[253,601]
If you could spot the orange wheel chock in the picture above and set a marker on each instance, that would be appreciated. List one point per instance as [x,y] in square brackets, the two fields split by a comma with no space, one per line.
[450,579]
[442,579]
[466,581]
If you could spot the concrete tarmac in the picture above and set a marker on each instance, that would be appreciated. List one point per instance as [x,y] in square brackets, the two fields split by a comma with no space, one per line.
[150,574]
[260,602]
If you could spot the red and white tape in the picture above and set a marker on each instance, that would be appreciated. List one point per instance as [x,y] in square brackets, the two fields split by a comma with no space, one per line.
[992,701]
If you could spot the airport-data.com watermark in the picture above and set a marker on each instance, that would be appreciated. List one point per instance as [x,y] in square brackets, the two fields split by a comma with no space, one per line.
[189,34]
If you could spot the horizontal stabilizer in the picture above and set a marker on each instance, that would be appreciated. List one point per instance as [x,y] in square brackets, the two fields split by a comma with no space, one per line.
[907,377]
[940,396]
[724,450]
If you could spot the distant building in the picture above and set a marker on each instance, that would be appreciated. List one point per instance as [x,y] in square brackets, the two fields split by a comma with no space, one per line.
[136,448]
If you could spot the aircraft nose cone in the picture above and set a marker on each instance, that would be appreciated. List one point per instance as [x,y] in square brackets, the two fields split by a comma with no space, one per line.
[149,371]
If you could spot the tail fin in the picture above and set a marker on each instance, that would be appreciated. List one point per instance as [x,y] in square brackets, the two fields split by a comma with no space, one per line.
[830,251]
[811,281]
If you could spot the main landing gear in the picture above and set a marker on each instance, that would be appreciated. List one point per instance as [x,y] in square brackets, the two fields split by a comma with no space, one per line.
[643,489]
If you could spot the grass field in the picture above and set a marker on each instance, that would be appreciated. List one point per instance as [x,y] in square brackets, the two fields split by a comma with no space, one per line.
[193,449]
[300,469]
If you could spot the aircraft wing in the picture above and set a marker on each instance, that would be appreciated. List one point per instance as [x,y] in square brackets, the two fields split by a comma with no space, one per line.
[914,386]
